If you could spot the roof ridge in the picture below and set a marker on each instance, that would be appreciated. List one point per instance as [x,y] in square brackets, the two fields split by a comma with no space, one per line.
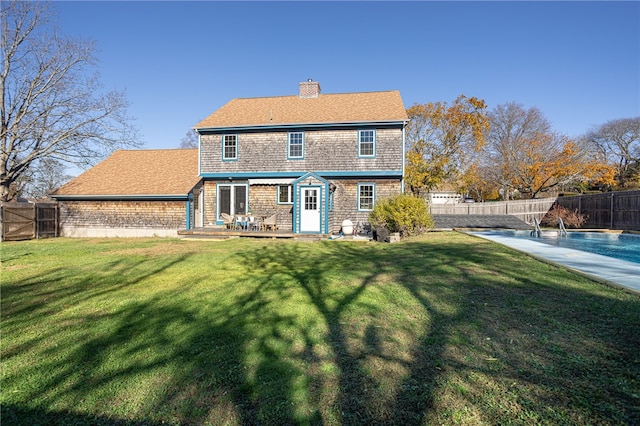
[320,95]
[350,107]
[154,149]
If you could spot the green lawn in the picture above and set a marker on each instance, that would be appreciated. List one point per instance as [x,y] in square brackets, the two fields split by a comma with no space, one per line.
[440,329]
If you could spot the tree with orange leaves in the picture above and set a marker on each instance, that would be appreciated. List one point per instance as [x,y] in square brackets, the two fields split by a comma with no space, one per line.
[439,140]
[619,142]
[526,155]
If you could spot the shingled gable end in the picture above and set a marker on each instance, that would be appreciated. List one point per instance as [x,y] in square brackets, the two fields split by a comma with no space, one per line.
[312,159]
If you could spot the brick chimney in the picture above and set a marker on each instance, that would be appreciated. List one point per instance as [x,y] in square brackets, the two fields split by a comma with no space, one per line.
[309,89]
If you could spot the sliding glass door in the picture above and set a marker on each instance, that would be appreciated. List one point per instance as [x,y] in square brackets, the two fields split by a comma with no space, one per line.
[232,199]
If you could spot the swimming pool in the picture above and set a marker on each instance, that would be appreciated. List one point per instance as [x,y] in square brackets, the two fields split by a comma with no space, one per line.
[619,246]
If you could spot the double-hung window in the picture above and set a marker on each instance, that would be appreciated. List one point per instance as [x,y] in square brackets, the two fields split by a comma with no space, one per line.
[285,194]
[366,143]
[366,196]
[230,147]
[295,145]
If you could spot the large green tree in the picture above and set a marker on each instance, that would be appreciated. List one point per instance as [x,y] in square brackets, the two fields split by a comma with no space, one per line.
[53,106]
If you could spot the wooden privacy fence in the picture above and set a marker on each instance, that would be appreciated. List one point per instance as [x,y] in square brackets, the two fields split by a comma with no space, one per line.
[525,210]
[610,210]
[25,221]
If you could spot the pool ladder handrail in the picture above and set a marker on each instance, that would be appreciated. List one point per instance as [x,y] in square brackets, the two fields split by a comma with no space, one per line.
[562,230]
[537,232]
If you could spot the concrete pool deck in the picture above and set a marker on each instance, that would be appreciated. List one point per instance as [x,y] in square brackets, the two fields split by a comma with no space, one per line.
[604,269]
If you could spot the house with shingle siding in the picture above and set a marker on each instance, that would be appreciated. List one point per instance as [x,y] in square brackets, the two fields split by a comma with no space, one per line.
[312,159]
[133,193]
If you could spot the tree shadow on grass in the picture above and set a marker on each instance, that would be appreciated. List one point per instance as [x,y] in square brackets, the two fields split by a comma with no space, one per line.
[552,349]
[522,328]
[340,333]
[334,280]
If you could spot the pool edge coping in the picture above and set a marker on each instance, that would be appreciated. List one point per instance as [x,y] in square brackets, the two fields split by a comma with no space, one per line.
[593,277]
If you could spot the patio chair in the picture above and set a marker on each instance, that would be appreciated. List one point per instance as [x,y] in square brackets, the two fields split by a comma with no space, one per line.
[271,222]
[255,223]
[242,222]
[228,221]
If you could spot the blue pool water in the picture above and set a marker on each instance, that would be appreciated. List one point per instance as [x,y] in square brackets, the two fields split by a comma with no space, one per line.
[619,246]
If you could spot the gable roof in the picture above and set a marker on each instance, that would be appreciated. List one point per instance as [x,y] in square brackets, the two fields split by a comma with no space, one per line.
[294,110]
[168,173]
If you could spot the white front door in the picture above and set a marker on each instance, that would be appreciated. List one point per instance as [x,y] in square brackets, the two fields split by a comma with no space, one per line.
[310,210]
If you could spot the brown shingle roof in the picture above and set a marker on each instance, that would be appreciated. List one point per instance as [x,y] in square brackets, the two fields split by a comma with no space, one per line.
[169,172]
[326,108]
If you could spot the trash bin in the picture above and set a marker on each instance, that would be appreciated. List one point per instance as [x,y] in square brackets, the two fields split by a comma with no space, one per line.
[347,227]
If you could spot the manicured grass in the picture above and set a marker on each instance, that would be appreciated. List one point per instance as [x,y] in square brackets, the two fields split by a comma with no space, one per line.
[440,329]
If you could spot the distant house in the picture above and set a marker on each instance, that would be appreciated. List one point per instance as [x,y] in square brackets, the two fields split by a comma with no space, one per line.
[312,159]
[444,197]
[133,193]
[445,193]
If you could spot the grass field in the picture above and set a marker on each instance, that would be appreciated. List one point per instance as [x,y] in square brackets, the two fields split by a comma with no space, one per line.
[440,329]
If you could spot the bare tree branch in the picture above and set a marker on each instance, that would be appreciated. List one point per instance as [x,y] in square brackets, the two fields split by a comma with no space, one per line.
[619,141]
[52,102]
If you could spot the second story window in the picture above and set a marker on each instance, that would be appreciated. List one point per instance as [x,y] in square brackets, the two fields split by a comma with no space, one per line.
[229,147]
[366,143]
[295,145]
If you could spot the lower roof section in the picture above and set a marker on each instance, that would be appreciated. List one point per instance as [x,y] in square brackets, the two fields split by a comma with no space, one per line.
[124,197]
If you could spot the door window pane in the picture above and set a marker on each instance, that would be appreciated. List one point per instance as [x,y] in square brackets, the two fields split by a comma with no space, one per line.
[311,199]
[240,199]
[224,199]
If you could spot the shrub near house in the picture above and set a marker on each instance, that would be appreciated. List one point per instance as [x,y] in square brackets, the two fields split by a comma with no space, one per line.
[404,213]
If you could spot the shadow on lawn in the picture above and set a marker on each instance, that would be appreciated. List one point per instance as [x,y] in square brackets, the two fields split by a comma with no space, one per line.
[305,342]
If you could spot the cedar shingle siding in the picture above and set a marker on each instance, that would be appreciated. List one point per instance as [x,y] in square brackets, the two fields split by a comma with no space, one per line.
[158,192]
[325,150]
[120,218]
[330,161]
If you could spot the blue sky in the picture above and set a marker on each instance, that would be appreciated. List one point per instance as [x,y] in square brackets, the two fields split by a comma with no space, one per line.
[578,62]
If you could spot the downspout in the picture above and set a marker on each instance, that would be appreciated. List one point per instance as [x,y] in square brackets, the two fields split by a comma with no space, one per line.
[199,153]
[327,196]
[188,211]
[294,216]
[404,143]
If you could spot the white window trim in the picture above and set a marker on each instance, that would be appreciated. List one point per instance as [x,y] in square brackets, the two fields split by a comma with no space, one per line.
[373,201]
[360,142]
[225,158]
[297,157]
[290,194]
